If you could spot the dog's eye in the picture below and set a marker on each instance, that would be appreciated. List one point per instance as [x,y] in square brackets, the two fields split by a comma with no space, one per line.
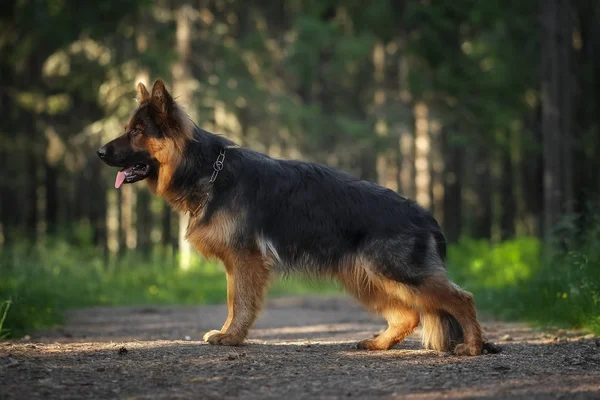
[134,132]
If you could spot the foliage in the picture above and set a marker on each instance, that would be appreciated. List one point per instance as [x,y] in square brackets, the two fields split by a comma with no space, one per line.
[513,279]
[49,280]
[328,81]
[4,307]
[479,263]
[508,279]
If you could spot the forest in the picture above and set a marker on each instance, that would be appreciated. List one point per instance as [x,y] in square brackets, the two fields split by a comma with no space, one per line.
[484,112]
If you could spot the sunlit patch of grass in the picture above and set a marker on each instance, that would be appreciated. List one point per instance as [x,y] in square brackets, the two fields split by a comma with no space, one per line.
[514,280]
[46,281]
[480,263]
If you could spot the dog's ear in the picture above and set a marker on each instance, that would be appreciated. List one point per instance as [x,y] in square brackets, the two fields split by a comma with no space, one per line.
[161,98]
[142,93]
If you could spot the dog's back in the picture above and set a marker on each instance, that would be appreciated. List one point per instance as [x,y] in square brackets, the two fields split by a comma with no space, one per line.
[318,220]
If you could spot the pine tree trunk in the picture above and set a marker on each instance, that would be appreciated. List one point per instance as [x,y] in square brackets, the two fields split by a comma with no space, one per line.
[32,197]
[182,90]
[379,101]
[51,183]
[531,177]
[422,155]
[167,226]
[8,201]
[482,223]
[452,222]
[436,170]
[508,203]
[120,228]
[554,116]
[406,162]
[98,207]
[566,102]
[145,222]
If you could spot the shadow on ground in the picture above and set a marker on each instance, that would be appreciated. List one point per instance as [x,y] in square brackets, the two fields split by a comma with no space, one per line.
[301,348]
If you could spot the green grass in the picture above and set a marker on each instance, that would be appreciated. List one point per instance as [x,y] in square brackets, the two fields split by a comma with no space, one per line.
[509,280]
[4,307]
[516,280]
[46,281]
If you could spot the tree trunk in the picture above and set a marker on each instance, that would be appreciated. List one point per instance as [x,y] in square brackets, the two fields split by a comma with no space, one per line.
[406,173]
[32,197]
[120,228]
[566,102]
[422,155]
[368,165]
[508,201]
[531,177]
[144,222]
[556,110]
[379,101]
[128,221]
[8,199]
[453,175]
[482,224]
[98,208]
[182,89]
[436,171]
[167,226]
[51,183]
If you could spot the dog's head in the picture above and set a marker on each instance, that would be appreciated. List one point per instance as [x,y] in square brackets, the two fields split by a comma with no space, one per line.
[153,140]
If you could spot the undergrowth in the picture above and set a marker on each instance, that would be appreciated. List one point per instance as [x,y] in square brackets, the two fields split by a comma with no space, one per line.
[514,279]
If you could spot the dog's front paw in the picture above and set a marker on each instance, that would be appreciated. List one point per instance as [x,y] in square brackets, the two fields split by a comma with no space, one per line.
[224,339]
[370,344]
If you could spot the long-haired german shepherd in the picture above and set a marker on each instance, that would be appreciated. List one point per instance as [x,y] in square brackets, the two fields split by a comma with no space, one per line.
[260,215]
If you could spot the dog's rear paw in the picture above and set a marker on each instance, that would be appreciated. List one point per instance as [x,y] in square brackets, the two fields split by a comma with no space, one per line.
[466,350]
[220,338]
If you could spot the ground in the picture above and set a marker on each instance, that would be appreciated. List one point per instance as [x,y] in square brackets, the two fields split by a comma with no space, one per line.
[300,348]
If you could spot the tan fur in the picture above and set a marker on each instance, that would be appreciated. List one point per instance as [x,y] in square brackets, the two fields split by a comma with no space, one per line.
[402,321]
[165,151]
[213,237]
[247,280]
[247,274]
[168,152]
[142,95]
[401,306]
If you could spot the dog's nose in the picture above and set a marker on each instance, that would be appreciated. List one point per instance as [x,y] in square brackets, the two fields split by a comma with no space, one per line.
[101,152]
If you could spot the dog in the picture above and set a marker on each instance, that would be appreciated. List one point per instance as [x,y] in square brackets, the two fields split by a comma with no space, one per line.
[260,216]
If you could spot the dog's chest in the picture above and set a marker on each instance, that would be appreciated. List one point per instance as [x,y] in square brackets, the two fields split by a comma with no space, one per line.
[213,237]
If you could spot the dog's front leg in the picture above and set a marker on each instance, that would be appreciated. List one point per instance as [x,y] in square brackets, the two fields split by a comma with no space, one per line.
[247,279]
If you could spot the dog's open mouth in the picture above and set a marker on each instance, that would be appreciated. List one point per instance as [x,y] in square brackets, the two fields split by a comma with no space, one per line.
[132,174]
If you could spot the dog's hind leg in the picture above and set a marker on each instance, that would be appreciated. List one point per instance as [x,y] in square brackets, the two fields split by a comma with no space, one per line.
[410,270]
[402,321]
[440,298]
[368,290]
[247,279]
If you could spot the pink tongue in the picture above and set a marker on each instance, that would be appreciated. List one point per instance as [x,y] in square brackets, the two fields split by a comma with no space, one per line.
[120,179]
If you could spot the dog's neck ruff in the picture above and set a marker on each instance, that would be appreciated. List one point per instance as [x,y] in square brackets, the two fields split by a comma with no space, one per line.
[217,167]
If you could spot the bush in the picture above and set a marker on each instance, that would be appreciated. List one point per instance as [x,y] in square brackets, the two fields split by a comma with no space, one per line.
[516,280]
[46,281]
[508,279]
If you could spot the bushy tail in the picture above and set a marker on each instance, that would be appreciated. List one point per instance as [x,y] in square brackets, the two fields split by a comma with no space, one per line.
[441,331]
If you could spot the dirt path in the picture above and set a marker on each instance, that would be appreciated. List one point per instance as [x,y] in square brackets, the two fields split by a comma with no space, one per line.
[300,348]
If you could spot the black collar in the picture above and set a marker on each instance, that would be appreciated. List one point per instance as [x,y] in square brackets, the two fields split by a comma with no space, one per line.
[217,167]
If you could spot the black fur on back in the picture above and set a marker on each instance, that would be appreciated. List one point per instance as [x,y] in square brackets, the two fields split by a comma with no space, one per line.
[314,217]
